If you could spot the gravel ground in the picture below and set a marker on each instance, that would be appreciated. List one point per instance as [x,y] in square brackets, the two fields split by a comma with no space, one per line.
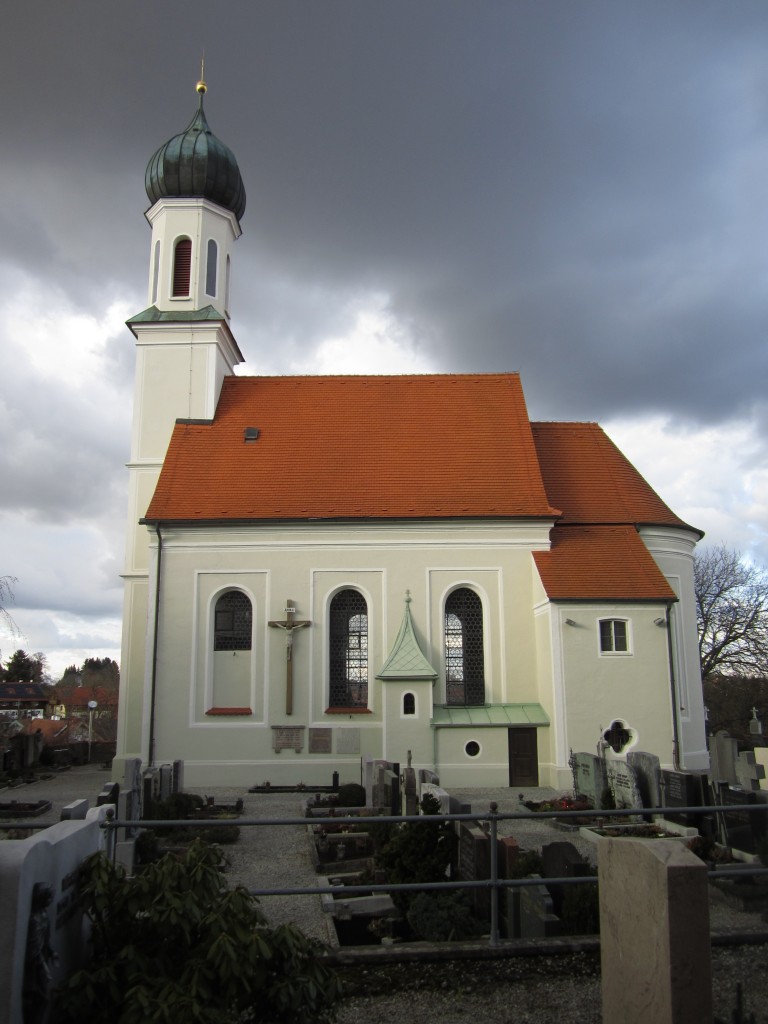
[527,989]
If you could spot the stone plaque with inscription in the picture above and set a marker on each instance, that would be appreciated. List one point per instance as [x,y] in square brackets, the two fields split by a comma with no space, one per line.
[347,741]
[320,741]
[287,737]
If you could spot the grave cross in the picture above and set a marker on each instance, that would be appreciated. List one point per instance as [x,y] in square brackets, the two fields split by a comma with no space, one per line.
[289,624]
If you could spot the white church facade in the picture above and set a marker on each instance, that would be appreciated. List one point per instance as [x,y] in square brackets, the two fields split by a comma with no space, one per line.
[324,568]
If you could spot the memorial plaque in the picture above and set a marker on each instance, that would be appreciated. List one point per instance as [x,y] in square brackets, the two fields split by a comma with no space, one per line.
[320,741]
[347,741]
[287,737]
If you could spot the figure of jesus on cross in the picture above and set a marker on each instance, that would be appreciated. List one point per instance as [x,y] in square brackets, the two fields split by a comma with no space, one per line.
[289,624]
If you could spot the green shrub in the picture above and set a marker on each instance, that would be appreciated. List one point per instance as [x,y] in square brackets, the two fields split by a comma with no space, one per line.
[176,945]
[442,917]
[175,807]
[351,794]
[418,851]
[581,909]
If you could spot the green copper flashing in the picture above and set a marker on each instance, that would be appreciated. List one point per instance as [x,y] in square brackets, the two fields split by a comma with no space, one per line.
[406,659]
[154,316]
[491,715]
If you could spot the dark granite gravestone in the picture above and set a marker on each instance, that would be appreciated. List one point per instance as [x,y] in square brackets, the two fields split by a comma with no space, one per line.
[537,917]
[474,864]
[723,754]
[647,769]
[411,797]
[682,789]
[562,860]
[741,830]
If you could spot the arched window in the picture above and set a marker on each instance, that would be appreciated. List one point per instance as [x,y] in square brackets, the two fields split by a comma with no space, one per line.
[182,267]
[155,272]
[228,269]
[409,704]
[348,643]
[210,268]
[464,661]
[233,619]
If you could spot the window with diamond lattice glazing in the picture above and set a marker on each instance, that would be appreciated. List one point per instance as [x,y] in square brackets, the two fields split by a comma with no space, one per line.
[348,644]
[233,619]
[464,659]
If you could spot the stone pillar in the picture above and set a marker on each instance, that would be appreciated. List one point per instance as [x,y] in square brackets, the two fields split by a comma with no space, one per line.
[654,933]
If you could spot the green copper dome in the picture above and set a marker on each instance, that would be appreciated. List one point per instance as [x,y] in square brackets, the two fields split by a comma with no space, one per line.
[196,165]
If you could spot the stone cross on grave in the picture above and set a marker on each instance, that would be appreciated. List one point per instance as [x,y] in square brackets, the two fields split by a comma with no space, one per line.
[289,624]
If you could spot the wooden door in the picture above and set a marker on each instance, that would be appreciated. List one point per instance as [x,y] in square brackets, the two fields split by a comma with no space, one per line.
[523,757]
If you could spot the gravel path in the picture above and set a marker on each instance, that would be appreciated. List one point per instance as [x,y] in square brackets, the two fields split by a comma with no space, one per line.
[524,989]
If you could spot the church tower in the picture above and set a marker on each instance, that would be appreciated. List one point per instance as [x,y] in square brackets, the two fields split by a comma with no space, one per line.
[184,350]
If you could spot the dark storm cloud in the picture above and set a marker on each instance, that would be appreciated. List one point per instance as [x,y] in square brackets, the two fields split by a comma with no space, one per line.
[527,182]
[574,190]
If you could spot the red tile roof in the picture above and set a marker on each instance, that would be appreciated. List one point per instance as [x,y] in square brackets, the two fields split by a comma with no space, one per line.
[609,563]
[587,477]
[432,446]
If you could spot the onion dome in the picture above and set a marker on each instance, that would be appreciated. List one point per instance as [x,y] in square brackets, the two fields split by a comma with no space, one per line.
[196,165]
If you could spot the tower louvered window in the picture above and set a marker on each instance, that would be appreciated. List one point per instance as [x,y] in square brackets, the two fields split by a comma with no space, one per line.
[348,643]
[211,268]
[182,267]
[233,620]
[464,658]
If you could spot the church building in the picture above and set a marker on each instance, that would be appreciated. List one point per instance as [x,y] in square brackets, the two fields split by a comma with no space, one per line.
[325,568]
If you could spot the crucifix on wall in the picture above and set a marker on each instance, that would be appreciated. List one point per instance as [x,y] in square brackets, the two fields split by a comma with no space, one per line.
[289,624]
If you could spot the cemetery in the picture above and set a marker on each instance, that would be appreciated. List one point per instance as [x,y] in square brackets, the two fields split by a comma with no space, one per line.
[683,820]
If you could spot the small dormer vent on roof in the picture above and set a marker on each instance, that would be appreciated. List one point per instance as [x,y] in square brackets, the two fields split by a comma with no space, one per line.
[251,434]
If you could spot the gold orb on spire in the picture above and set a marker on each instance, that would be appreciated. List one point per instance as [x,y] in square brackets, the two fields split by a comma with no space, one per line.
[201,86]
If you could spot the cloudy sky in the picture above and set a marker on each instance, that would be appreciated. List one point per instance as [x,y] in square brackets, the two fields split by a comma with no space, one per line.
[575,189]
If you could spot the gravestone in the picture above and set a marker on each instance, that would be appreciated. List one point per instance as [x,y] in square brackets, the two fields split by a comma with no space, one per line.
[110,794]
[647,769]
[410,795]
[439,794]
[682,789]
[41,920]
[76,811]
[562,860]
[166,781]
[371,767]
[748,771]
[723,755]
[589,778]
[622,784]
[474,864]
[129,803]
[654,919]
[178,776]
[741,830]
[425,775]
[537,917]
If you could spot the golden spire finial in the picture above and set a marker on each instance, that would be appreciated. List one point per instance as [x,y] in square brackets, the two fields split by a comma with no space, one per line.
[201,86]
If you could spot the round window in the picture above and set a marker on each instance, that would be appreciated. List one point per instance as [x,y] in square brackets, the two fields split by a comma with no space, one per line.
[472,749]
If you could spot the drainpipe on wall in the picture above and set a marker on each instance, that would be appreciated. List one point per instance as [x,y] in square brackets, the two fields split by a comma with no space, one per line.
[673,684]
[154,649]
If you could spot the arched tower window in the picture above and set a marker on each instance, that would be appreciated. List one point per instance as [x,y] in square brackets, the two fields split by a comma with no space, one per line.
[233,620]
[156,272]
[464,660]
[348,645]
[182,267]
[228,269]
[409,704]
[211,268]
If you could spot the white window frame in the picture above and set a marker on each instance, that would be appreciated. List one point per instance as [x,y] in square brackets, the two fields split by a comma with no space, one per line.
[614,653]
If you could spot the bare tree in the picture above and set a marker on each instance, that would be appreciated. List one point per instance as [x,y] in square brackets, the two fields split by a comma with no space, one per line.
[731,613]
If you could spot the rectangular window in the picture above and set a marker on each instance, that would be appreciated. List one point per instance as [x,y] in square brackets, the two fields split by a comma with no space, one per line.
[613,636]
